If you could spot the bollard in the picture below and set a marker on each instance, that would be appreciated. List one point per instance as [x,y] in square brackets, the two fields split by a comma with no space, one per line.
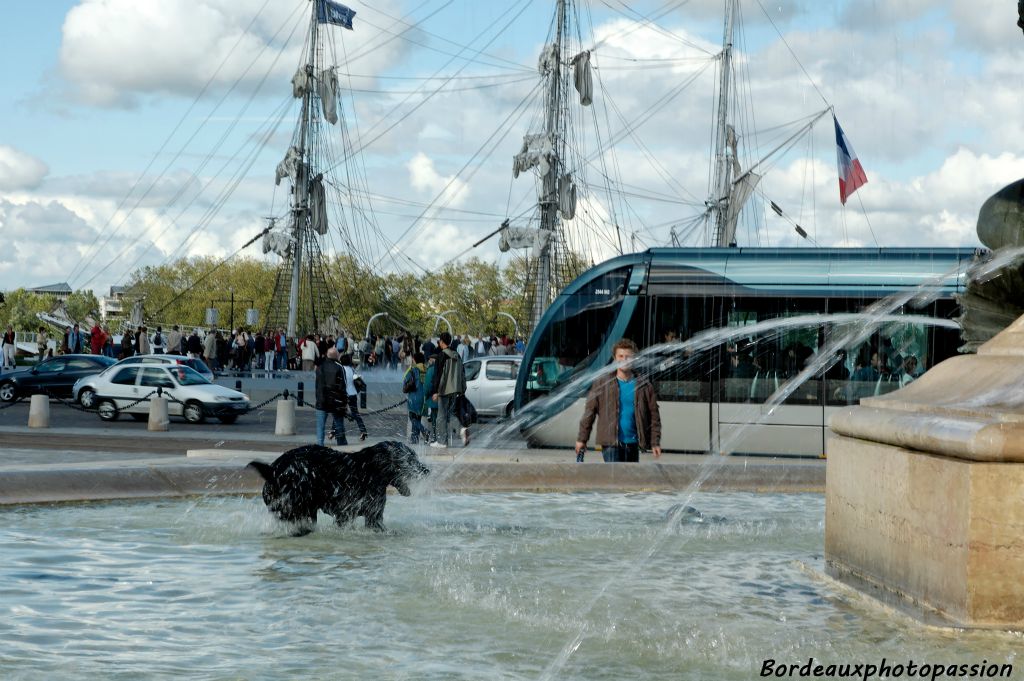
[39,412]
[158,419]
[362,400]
[285,424]
[300,393]
[238,385]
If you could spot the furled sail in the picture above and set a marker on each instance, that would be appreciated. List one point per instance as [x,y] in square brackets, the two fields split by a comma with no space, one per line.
[289,165]
[536,151]
[742,188]
[567,197]
[582,78]
[318,205]
[524,237]
[328,90]
[279,242]
[300,83]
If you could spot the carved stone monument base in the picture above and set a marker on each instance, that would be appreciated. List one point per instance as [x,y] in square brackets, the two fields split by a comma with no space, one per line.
[924,492]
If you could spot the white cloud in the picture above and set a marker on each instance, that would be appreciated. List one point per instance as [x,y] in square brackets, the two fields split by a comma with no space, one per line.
[424,178]
[19,170]
[115,51]
[936,133]
[987,25]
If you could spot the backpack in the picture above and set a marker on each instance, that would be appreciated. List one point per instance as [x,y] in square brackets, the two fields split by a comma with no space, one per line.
[410,381]
[453,377]
[465,412]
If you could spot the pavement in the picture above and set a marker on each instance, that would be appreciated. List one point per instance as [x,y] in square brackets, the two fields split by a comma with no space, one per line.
[64,464]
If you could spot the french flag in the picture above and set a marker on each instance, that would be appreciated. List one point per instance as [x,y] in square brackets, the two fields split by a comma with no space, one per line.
[851,172]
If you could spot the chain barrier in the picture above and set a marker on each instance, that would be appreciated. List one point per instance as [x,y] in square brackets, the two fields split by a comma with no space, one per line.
[264,403]
[171,398]
[384,409]
[68,403]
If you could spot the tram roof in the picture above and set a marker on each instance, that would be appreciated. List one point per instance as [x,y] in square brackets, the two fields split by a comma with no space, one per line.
[813,270]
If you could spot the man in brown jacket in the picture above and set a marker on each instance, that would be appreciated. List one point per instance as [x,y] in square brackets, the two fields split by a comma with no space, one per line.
[626,410]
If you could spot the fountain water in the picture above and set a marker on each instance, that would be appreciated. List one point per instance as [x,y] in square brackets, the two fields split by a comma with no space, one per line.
[457,590]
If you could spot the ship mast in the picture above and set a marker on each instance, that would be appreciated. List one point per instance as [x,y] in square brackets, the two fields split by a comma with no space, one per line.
[300,207]
[719,201]
[549,194]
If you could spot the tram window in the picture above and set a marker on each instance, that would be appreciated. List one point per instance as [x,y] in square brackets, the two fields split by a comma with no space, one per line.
[683,375]
[570,342]
[755,365]
[894,355]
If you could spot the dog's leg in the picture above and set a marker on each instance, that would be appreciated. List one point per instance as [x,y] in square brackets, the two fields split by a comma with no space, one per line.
[343,518]
[373,513]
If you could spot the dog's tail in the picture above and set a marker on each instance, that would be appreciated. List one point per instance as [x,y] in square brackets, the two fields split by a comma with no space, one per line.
[265,471]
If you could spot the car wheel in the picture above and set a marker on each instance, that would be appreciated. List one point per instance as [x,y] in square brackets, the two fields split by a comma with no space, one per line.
[228,418]
[508,410]
[140,417]
[107,410]
[193,412]
[8,392]
[87,398]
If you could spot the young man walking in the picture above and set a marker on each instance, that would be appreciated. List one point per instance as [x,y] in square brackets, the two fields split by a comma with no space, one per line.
[449,385]
[626,410]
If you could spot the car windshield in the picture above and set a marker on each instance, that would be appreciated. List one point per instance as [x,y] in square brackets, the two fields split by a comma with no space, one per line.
[199,365]
[188,376]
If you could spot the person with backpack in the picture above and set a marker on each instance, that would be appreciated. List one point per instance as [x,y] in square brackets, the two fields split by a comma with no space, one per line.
[158,341]
[448,387]
[415,388]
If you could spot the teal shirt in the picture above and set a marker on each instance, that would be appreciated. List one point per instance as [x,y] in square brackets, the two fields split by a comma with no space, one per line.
[627,411]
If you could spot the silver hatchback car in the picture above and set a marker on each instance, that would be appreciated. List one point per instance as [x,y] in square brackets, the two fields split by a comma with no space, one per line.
[491,383]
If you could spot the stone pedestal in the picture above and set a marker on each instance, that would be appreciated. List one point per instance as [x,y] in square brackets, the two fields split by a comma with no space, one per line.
[158,417]
[924,500]
[39,411]
[285,423]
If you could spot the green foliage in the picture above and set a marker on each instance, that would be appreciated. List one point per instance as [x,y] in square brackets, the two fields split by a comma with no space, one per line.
[82,304]
[179,292]
[21,307]
[470,294]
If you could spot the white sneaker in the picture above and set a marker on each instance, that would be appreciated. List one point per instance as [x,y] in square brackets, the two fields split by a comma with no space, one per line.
[439,445]
[465,436]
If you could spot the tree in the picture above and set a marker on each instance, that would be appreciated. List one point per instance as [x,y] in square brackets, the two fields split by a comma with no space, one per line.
[179,292]
[82,304]
[21,307]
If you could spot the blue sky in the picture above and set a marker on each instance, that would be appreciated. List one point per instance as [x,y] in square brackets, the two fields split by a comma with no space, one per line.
[927,91]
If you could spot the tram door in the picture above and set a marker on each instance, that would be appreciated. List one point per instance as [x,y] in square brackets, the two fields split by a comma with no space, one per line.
[755,370]
[681,377]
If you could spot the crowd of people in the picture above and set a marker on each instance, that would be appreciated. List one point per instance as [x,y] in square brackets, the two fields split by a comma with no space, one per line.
[434,383]
[245,350]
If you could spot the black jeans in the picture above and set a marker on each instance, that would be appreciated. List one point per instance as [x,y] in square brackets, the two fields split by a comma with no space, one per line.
[353,413]
[622,453]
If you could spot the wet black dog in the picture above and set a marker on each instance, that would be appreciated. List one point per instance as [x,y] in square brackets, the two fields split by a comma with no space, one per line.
[312,478]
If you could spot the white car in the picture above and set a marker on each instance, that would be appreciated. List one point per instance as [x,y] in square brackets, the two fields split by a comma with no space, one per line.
[189,394]
[84,389]
[491,383]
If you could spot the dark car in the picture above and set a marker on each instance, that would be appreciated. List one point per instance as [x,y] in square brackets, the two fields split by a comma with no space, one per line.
[54,376]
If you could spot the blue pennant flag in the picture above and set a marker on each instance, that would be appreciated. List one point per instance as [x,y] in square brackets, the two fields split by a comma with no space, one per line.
[328,12]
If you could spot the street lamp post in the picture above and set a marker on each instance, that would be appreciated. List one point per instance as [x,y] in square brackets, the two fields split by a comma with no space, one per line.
[231,313]
[438,321]
[506,314]
[379,314]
